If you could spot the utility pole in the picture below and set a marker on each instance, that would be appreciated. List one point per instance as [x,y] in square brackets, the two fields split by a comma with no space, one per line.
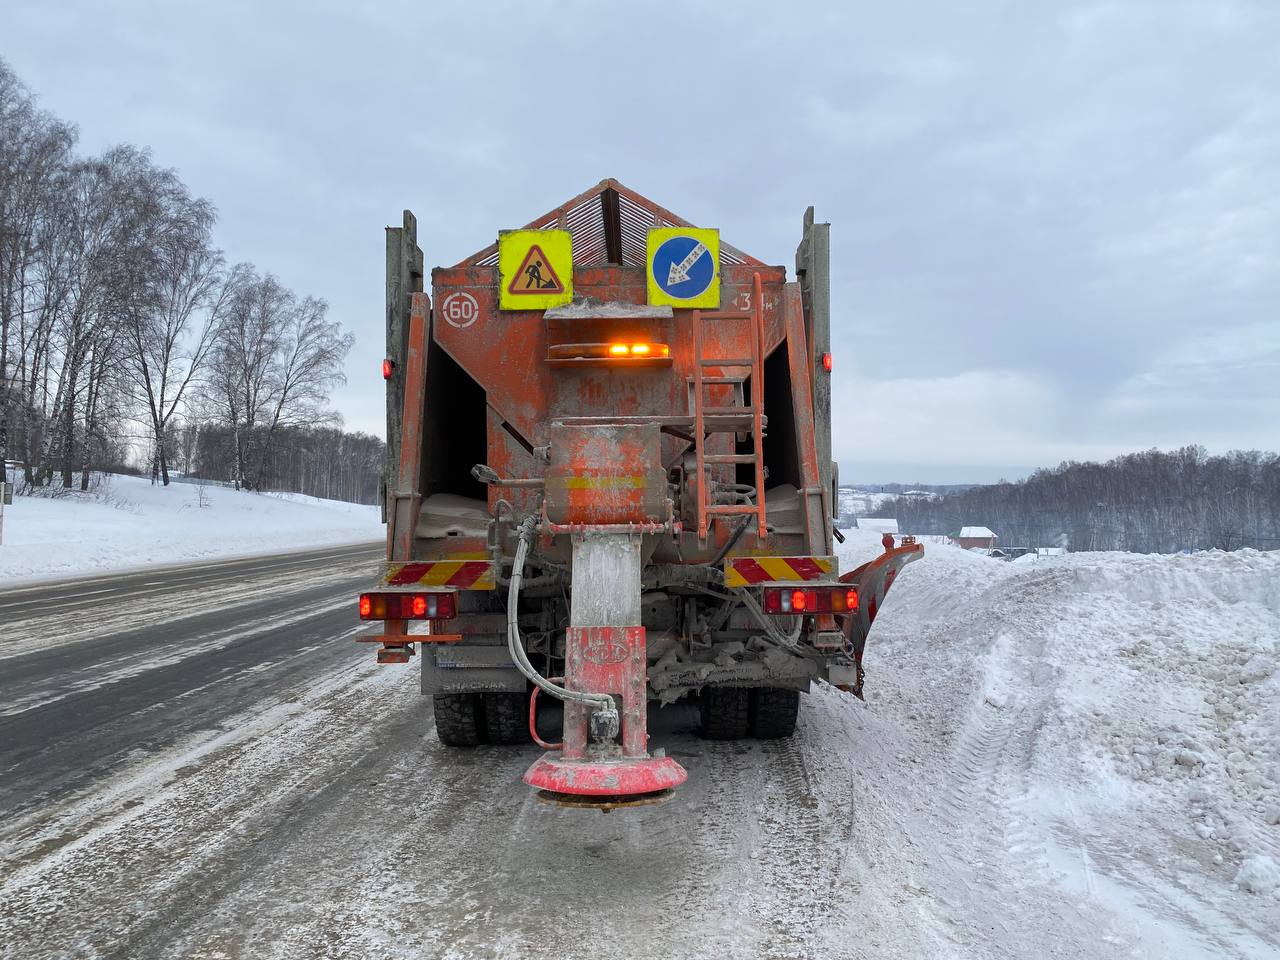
[6,492]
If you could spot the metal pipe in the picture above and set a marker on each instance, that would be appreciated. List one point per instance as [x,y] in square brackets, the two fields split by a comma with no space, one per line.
[731,542]
[533,721]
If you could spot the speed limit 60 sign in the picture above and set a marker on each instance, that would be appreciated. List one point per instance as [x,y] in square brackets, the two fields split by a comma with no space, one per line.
[460,310]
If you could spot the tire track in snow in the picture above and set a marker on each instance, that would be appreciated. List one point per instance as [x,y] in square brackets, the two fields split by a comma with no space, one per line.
[801,839]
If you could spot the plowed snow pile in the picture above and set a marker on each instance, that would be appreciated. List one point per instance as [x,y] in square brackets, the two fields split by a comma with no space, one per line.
[1095,742]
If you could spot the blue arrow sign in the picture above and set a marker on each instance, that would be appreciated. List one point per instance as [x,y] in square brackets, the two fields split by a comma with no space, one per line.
[683,267]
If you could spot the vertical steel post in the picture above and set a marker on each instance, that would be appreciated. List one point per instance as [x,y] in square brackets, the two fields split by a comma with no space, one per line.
[404,279]
[757,399]
[699,433]
[813,270]
[405,501]
[605,643]
[605,653]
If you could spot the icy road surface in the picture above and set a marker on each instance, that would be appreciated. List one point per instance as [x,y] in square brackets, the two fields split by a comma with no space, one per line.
[1071,759]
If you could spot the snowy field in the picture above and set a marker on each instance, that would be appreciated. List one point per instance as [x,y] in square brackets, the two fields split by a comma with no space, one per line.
[863,503]
[129,523]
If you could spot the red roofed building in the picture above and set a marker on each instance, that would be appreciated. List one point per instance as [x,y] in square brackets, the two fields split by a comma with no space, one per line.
[981,538]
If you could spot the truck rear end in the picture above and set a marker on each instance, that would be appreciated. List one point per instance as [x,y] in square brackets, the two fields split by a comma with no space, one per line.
[610,482]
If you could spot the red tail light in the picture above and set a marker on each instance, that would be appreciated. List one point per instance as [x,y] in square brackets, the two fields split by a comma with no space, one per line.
[388,367]
[782,601]
[408,606]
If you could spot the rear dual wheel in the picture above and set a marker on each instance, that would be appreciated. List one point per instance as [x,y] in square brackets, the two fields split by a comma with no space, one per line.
[732,713]
[724,713]
[774,711]
[470,719]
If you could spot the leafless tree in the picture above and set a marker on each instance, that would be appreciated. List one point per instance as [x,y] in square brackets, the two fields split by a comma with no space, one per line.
[171,333]
[35,149]
[118,316]
[276,360]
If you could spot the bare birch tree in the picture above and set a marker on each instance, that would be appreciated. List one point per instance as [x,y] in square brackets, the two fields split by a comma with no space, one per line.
[171,333]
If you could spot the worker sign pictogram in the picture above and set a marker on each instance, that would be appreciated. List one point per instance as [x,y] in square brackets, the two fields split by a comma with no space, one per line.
[535,269]
[684,267]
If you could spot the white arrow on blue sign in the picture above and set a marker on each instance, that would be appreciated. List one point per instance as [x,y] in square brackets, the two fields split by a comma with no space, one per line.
[683,267]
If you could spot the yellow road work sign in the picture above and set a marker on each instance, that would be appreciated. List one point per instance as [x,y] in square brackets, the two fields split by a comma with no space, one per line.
[683,267]
[535,269]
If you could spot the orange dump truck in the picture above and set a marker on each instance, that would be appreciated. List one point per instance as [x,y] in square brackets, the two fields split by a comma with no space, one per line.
[610,482]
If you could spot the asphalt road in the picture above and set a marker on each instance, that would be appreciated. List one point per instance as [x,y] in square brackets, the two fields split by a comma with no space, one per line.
[199,762]
[95,672]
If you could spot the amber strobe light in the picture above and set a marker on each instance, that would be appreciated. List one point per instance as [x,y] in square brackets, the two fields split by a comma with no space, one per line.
[408,606]
[791,600]
[641,350]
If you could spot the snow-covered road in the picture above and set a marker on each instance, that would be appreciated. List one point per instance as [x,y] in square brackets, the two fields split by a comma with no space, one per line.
[1076,758]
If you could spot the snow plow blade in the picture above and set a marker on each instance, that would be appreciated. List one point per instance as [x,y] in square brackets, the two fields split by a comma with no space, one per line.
[873,580]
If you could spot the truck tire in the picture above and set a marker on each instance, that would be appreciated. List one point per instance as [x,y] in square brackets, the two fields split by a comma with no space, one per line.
[725,713]
[774,711]
[506,717]
[458,719]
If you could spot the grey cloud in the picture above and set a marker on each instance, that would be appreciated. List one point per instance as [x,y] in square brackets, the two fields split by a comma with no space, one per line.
[1039,211]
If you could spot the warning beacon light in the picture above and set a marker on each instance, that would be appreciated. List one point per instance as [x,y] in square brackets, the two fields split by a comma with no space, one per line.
[641,354]
[388,366]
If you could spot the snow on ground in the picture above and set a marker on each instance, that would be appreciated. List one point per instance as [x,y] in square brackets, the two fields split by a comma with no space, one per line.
[1098,739]
[860,502]
[126,522]
[1070,759]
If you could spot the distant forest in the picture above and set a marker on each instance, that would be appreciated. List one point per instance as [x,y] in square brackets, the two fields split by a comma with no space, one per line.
[316,460]
[1149,502]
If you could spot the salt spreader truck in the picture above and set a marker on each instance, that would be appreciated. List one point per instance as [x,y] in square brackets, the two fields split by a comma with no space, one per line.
[610,482]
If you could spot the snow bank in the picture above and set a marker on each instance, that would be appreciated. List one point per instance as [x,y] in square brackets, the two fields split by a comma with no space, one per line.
[938,584]
[1168,669]
[127,522]
[1122,710]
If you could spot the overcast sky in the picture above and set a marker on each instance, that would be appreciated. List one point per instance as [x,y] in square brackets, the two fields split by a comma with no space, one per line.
[1055,227]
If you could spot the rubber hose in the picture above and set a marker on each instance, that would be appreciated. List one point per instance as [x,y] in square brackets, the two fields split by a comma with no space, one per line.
[515,645]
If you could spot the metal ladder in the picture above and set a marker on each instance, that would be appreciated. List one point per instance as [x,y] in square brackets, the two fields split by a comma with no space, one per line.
[710,419]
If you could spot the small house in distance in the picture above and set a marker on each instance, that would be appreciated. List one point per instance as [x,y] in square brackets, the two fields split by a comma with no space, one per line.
[879,524]
[980,538]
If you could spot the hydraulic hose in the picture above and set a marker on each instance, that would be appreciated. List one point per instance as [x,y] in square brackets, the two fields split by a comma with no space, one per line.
[776,635]
[600,701]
